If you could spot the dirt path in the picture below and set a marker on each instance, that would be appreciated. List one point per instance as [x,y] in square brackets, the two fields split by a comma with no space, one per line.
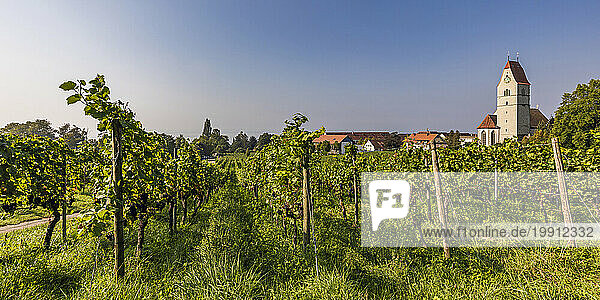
[9,228]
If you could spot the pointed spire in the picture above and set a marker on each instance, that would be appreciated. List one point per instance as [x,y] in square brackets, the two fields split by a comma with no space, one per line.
[517,56]
[507,55]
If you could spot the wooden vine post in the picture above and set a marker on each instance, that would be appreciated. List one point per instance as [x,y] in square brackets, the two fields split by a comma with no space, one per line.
[181,196]
[173,199]
[142,222]
[428,194]
[428,199]
[495,180]
[306,202]
[176,191]
[64,200]
[355,184]
[356,203]
[562,187]
[117,169]
[441,207]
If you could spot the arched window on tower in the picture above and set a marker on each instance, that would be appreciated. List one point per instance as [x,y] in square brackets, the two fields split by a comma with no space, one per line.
[492,137]
[506,92]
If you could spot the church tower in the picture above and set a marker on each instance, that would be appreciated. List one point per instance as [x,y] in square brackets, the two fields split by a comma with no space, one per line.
[514,118]
[513,103]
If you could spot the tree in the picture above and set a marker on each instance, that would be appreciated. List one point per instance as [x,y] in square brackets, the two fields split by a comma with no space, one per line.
[207,128]
[453,139]
[263,140]
[72,135]
[39,128]
[239,143]
[252,143]
[325,147]
[212,144]
[168,142]
[180,141]
[542,135]
[201,145]
[577,115]
[394,141]
[219,142]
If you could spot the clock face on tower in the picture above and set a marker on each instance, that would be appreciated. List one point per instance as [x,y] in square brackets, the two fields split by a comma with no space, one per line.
[507,79]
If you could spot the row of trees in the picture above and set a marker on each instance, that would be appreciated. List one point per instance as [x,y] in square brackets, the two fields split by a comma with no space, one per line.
[70,134]
[212,142]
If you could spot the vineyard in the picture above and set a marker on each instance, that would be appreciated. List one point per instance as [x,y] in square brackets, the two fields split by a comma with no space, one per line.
[279,223]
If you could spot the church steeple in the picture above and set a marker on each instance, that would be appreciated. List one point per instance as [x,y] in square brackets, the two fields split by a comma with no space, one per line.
[514,118]
[517,71]
[512,105]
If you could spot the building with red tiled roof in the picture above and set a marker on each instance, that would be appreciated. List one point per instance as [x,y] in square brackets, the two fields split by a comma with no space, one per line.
[488,130]
[332,138]
[425,139]
[342,139]
[380,140]
[363,136]
[373,145]
[513,118]
[489,122]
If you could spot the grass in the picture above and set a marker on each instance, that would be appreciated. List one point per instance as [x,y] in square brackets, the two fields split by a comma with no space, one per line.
[232,250]
[24,214]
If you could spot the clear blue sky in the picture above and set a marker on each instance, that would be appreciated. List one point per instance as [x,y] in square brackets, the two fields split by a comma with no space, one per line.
[387,65]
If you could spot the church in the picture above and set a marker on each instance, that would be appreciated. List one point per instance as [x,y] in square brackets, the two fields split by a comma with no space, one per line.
[514,118]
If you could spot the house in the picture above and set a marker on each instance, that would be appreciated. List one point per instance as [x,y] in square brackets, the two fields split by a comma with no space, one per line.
[360,137]
[365,140]
[341,139]
[425,139]
[373,145]
[381,140]
[514,118]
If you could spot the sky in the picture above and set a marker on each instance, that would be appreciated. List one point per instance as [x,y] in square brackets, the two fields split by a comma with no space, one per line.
[250,65]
